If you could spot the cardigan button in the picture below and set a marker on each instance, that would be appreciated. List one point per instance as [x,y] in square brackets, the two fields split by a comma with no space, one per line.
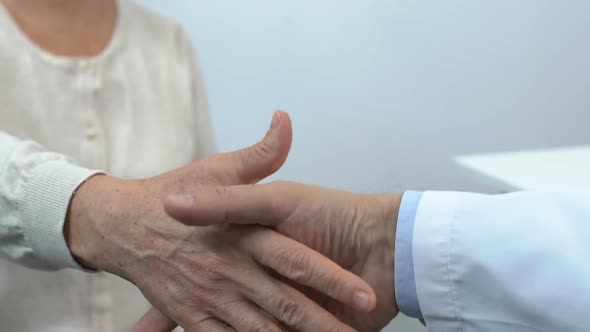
[91,133]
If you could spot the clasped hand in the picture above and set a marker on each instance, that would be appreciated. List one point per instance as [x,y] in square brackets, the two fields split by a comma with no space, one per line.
[202,268]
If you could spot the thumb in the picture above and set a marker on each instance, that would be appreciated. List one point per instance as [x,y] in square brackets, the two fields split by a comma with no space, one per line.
[258,161]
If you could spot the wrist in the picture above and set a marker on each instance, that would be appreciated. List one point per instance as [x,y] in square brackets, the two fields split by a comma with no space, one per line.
[91,206]
[388,212]
[386,218]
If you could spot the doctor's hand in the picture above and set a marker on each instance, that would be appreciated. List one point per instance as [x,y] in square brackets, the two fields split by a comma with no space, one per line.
[355,231]
[207,279]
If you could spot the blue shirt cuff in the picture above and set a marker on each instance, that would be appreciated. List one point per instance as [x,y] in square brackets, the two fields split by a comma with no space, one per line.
[405,281]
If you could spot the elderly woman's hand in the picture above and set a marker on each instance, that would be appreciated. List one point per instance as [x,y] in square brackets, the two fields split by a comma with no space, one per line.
[214,278]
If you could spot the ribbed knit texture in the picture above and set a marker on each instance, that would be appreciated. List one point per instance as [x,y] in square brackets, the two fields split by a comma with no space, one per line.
[47,194]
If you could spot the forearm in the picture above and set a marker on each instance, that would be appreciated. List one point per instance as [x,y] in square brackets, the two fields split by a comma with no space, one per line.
[103,229]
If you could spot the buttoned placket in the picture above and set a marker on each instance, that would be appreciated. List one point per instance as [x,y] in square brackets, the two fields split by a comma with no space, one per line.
[100,301]
[93,133]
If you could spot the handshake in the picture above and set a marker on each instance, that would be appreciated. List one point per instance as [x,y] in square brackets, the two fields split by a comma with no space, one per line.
[213,251]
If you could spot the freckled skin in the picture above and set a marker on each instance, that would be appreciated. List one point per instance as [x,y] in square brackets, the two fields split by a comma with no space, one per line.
[355,231]
[204,276]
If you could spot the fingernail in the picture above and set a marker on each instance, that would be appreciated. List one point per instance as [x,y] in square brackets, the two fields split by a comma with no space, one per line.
[276,119]
[181,200]
[363,301]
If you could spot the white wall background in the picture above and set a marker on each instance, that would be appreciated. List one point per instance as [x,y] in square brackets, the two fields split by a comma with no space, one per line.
[384,92]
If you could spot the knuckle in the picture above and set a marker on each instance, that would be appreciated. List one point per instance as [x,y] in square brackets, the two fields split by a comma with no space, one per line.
[214,267]
[290,312]
[298,265]
[215,304]
[334,285]
[263,149]
[223,192]
[208,301]
[225,304]
[251,156]
[188,302]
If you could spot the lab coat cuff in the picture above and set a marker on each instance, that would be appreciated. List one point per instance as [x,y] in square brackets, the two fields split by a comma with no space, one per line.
[405,281]
[434,257]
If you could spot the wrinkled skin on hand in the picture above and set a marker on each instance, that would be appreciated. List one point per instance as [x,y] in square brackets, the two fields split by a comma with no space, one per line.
[212,278]
[355,231]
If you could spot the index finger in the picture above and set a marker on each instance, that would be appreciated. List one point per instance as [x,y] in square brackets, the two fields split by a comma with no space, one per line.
[267,204]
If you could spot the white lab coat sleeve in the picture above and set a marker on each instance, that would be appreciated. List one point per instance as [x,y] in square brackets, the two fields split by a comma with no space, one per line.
[35,191]
[514,262]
